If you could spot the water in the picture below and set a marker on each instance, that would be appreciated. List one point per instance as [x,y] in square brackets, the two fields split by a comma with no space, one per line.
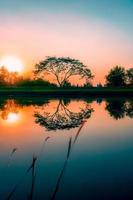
[97,135]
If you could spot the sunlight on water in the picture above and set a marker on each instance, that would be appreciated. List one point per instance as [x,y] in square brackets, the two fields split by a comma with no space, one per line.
[95,135]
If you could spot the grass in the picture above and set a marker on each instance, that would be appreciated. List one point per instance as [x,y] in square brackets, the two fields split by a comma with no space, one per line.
[32,169]
[66,91]
[62,172]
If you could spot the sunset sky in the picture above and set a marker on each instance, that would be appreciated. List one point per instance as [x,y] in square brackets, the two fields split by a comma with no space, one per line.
[98,32]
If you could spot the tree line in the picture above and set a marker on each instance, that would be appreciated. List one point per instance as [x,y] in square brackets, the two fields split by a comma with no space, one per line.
[62,70]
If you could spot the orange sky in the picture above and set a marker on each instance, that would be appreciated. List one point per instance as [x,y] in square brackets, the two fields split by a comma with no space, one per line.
[98,43]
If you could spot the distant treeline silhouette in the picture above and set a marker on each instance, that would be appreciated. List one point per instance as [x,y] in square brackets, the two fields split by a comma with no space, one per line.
[62,70]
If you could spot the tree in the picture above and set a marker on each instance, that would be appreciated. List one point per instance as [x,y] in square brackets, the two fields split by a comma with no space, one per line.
[3,75]
[116,108]
[62,69]
[35,83]
[62,117]
[130,77]
[99,85]
[116,77]
[8,78]
[87,85]
[67,84]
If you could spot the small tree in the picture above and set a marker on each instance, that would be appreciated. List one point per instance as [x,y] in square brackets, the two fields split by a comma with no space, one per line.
[116,77]
[99,85]
[35,83]
[66,84]
[130,77]
[8,78]
[3,75]
[62,69]
[87,85]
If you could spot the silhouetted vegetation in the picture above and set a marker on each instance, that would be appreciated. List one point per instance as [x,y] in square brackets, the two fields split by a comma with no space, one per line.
[118,81]
[116,77]
[69,151]
[63,117]
[35,83]
[119,108]
[119,77]
[99,85]
[130,77]
[9,78]
[62,69]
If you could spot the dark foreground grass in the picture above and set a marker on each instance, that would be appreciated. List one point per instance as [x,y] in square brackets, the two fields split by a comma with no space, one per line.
[62,172]
[67,91]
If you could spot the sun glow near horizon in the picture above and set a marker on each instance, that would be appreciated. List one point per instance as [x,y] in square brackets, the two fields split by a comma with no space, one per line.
[12,64]
[12,117]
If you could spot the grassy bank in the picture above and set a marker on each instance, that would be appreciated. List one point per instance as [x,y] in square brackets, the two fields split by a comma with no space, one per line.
[66,91]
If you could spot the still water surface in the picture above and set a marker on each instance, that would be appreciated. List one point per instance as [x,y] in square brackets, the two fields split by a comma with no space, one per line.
[82,148]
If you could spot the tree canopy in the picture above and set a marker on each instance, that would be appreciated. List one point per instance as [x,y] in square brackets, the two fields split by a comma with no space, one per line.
[8,78]
[62,69]
[116,77]
[130,76]
[36,83]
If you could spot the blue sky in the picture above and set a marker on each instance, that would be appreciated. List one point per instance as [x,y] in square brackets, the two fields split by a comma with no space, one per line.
[115,12]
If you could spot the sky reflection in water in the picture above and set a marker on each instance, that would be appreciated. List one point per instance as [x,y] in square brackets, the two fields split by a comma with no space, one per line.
[101,163]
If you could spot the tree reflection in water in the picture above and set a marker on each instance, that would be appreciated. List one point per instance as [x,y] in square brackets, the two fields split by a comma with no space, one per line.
[119,108]
[9,109]
[129,108]
[63,116]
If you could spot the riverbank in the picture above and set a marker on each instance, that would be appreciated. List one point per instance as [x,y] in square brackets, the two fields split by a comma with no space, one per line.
[67,91]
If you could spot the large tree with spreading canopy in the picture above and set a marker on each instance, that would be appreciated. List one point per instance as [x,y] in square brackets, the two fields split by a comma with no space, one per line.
[62,116]
[62,69]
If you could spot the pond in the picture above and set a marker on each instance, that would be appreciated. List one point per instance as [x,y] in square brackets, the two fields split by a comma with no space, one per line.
[62,148]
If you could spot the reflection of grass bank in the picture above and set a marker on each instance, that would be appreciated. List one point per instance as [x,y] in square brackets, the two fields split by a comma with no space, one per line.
[67,91]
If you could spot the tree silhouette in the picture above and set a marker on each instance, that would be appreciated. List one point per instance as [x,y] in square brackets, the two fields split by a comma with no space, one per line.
[3,75]
[35,83]
[130,77]
[9,78]
[116,108]
[116,77]
[63,117]
[62,69]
